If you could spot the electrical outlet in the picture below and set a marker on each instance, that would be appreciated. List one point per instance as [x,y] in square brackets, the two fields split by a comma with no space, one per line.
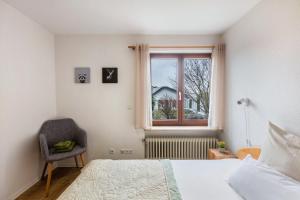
[111,151]
[126,151]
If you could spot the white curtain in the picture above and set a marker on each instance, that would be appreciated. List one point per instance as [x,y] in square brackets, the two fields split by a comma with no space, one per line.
[216,108]
[143,111]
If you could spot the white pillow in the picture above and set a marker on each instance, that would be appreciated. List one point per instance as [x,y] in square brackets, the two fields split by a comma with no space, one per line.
[254,180]
[281,151]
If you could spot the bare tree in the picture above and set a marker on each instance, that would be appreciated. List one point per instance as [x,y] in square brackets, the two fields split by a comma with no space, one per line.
[197,73]
[167,105]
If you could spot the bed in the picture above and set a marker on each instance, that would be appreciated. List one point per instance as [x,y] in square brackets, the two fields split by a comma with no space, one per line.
[154,179]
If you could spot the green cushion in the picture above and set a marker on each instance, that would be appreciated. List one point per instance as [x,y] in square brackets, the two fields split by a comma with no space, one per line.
[69,148]
[64,146]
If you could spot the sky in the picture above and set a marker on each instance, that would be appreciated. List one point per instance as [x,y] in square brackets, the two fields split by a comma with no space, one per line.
[162,69]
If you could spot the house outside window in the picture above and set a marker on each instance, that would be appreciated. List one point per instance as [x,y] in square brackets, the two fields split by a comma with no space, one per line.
[180,89]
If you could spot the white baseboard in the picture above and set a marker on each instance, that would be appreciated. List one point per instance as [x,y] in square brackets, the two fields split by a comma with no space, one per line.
[67,164]
[27,186]
[35,180]
[23,189]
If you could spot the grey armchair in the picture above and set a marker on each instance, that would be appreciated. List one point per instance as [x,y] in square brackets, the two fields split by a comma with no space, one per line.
[53,131]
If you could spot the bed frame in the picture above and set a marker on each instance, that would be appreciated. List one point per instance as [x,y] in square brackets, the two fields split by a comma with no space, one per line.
[253,151]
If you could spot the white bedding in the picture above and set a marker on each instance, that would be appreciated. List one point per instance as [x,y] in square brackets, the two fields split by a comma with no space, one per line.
[205,179]
[121,180]
[110,180]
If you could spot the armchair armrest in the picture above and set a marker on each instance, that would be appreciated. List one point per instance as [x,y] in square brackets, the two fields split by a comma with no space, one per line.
[81,137]
[44,146]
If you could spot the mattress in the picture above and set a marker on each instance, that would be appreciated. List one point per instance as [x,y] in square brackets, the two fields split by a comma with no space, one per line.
[205,179]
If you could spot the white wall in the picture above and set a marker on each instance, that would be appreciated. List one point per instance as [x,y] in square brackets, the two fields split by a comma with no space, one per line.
[263,63]
[105,111]
[27,98]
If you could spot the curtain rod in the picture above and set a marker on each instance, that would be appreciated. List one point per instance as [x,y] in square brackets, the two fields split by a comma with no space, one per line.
[176,47]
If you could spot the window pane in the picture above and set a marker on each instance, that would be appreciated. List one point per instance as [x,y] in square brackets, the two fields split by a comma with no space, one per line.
[164,88]
[197,72]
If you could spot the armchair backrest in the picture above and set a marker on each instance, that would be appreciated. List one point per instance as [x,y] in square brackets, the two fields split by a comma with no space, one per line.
[58,130]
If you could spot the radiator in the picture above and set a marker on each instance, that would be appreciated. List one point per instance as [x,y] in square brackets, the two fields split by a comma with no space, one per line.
[178,148]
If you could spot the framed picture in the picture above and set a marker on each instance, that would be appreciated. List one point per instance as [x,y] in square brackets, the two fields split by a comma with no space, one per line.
[82,74]
[109,75]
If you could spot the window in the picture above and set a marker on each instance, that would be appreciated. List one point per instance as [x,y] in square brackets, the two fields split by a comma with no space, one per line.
[180,89]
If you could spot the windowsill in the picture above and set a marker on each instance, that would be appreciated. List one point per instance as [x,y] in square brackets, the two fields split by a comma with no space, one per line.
[203,131]
[180,128]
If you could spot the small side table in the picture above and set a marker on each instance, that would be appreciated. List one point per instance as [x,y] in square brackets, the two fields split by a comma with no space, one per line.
[215,154]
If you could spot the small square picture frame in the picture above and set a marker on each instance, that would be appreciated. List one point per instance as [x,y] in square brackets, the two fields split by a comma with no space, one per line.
[82,75]
[109,75]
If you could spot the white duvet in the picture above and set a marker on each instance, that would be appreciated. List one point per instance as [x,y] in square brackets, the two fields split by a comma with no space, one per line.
[112,180]
[205,179]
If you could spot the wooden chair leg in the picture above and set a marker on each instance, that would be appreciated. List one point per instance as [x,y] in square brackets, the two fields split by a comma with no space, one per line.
[82,159]
[49,170]
[75,158]
[44,171]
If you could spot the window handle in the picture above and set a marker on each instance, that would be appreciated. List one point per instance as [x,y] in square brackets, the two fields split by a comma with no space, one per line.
[179,96]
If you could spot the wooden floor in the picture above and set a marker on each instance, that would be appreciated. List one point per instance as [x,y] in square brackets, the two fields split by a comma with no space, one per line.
[61,179]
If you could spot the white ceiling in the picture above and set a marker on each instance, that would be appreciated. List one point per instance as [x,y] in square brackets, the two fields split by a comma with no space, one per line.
[135,16]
